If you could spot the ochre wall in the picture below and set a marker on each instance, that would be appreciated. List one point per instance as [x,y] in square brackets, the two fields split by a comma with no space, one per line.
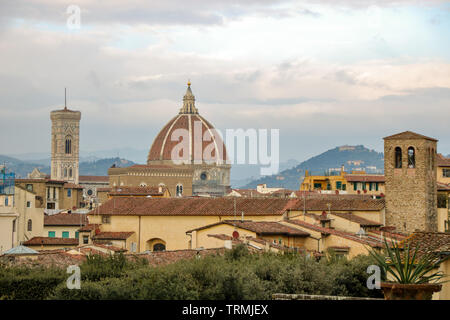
[170,229]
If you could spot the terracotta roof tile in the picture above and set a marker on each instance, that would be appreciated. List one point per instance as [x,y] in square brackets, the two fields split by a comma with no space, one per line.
[65,219]
[51,241]
[443,186]
[259,227]
[354,218]
[223,206]
[408,135]
[373,242]
[340,203]
[112,235]
[89,227]
[442,161]
[430,242]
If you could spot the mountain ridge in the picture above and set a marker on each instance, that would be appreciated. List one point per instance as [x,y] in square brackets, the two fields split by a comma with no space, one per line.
[95,168]
[351,157]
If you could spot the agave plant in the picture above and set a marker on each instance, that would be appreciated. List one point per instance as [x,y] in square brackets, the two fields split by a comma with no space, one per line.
[408,266]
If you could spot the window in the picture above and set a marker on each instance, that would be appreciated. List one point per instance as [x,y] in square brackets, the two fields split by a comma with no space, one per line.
[398,157]
[90,192]
[85,239]
[363,185]
[203,176]
[65,234]
[370,186]
[6,201]
[411,157]
[14,226]
[65,172]
[77,235]
[328,186]
[446,173]
[338,185]
[344,186]
[179,190]
[68,145]
[442,200]
[28,204]
[51,234]
[29,187]
[355,186]
[69,193]
[30,225]
[159,247]
[54,193]
[106,219]
[376,186]
[70,173]
[317,186]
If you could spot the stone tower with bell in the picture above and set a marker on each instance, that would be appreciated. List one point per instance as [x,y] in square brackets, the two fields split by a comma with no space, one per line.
[65,144]
[411,187]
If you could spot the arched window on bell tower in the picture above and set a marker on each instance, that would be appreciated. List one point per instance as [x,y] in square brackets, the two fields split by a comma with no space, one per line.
[411,157]
[68,149]
[179,190]
[398,157]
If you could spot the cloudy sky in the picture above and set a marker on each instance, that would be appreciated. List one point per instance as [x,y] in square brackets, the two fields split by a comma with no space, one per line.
[324,72]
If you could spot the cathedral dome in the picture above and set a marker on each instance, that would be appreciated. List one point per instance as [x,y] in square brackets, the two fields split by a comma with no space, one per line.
[196,141]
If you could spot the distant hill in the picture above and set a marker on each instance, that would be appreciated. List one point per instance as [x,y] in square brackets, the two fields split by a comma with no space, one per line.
[242,174]
[22,168]
[100,167]
[94,168]
[352,157]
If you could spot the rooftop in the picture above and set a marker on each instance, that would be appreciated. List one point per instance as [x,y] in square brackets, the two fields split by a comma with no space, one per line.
[442,161]
[366,240]
[260,227]
[112,235]
[141,206]
[354,218]
[65,219]
[430,242]
[51,241]
[408,135]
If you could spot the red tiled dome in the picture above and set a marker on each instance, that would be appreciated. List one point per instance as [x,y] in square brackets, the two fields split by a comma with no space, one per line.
[197,129]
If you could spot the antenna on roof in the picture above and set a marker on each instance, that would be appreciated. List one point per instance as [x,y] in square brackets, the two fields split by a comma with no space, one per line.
[65,98]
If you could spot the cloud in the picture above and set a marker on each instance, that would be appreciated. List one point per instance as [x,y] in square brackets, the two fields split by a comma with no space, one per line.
[252,65]
[135,12]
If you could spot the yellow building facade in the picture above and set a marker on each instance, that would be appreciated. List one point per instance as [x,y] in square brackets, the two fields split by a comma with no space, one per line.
[357,182]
